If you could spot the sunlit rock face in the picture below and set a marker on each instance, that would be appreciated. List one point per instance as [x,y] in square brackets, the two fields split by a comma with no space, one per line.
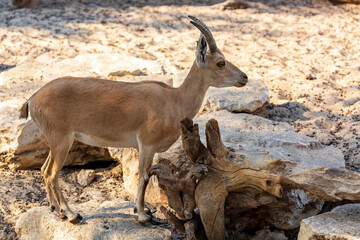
[341,223]
[268,146]
[272,147]
[245,99]
[85,65]
[27,148]
[105,220]
[129,160]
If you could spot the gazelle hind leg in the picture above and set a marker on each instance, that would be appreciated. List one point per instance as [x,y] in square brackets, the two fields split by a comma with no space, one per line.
[146,156]
[45,171]
[59,152]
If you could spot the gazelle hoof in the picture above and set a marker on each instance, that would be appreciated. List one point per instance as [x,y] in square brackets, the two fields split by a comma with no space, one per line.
[147,210]
[143,218]
[52,208]
[61,215]
[76,219]
[187,215]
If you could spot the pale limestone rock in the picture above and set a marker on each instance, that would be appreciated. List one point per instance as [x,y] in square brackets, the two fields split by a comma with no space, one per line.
[27,148]
[93,194]
[85,177]
[253,133]
[9,121]
[341,223]
[30,138]
[275,148]
[129,159]
[85,65]
[109,220]
[2,234]
[107,64]
[245,99]
[256,134]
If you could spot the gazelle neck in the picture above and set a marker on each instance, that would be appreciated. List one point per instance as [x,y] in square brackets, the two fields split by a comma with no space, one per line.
[192,92]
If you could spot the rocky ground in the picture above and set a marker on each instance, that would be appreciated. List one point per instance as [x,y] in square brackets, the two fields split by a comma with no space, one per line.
[307,52]
[24,189]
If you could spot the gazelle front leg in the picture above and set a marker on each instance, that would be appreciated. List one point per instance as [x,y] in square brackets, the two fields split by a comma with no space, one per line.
[146,156]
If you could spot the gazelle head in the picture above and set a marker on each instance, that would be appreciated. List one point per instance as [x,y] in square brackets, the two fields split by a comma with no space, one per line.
[218,72]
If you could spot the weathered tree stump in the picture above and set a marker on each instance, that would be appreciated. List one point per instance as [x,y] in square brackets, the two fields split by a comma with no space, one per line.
[222,176]
[215,178]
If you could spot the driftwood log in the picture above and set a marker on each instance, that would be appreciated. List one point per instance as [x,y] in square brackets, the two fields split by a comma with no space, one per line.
[215,179]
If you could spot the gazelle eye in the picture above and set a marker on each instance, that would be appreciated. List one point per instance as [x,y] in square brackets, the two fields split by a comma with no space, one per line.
[221,64]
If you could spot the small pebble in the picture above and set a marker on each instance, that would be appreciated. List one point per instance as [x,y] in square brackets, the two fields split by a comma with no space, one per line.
[309,77]
[85,177]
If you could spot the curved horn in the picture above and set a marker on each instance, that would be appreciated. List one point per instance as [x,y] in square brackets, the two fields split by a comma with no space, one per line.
[205,30]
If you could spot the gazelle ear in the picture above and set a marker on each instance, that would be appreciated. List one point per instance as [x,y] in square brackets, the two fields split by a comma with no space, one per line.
[201,49]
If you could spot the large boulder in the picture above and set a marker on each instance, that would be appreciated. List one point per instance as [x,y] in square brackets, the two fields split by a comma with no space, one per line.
[265,172]
[341,223]
[85,65]
[275,148]
[246,99]
[27,148]
[253,134]
[106,220]
[129,159]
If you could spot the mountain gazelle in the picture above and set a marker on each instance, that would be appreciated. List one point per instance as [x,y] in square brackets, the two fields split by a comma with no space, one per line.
[144,115]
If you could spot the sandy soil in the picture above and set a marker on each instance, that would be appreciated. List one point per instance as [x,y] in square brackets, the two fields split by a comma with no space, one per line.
[279,42]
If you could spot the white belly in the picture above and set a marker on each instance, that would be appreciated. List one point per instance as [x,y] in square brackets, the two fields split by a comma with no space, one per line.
[127,140]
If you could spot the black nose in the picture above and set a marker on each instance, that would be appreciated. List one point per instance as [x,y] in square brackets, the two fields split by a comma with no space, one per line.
[245,76]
